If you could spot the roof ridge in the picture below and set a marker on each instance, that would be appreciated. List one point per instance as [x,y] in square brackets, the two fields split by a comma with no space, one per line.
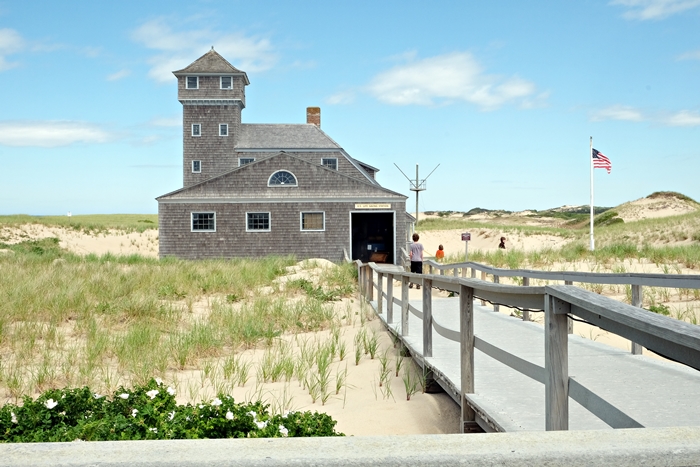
[210,60]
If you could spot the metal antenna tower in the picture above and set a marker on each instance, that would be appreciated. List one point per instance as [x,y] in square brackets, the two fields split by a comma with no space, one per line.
[417,184]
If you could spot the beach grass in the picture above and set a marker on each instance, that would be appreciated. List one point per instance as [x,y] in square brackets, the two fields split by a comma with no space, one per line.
[89,223]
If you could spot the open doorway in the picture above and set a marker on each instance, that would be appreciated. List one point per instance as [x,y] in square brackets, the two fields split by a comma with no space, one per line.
[373,236]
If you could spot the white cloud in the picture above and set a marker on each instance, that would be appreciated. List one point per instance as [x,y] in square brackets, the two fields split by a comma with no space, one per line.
[683,118]
[48,134]
[118,75]
[654,9]
[10,42]
[618,112]
[342,97]
[177,49]
[692,55]
[167,121]
[447,78]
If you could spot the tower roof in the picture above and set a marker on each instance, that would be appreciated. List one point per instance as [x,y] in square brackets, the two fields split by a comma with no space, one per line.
[211,62]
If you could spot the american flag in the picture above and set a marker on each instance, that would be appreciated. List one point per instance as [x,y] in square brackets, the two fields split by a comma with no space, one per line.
[600,161]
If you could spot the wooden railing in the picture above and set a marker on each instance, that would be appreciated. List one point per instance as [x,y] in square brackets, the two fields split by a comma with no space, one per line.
[676,340]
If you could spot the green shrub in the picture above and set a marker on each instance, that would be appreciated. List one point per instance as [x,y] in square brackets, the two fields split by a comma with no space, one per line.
[149,412]
[660,309]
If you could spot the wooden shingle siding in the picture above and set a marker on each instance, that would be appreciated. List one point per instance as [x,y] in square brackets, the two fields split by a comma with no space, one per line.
[284,238]
[216,152]
[209,88]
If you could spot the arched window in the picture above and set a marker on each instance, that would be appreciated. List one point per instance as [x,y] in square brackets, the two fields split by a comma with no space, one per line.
[282,178]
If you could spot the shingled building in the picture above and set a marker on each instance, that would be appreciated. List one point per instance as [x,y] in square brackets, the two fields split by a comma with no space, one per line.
[251,190]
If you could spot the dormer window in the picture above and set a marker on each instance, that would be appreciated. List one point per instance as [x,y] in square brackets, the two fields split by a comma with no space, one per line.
[227,82]
[282,178]
[223,129]
[330,162]
[196,129]
[192,82]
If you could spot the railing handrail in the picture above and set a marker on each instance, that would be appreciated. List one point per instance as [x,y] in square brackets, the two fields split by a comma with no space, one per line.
[686,281]
[676,340]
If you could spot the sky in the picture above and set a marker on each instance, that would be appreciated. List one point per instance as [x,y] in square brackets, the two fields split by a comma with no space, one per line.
[502,95]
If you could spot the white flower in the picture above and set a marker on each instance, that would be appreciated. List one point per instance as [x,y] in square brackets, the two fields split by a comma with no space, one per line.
[98,396]
[253,414]
[284,431]
[152,393]
[14,417]
[171,415]
[50,404]
[216,401]
[261,425]
[134,412]
[124,395]
[201,406]
[229,415]
[159,381]
[171,391]
[154,430]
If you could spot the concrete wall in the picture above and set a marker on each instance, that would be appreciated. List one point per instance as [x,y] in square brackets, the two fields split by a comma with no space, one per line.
[621,448]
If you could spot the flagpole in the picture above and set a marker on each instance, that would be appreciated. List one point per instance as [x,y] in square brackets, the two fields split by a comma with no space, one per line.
[590,160]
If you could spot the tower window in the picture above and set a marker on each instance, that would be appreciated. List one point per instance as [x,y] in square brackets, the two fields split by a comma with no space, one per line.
[192,82]
[196,129]
[330,162]
[223,129]
[282,178]
[226,82]
[196,167]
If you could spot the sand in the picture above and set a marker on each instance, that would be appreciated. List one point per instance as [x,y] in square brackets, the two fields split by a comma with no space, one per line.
[362,407]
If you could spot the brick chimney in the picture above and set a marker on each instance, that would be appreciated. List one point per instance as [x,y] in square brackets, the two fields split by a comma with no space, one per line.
[313,116]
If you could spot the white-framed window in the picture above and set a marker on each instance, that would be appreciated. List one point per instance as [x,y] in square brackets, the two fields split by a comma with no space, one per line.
[227,82]
[257,221]
[313,221]
[330,162]
[192,82]
[203,222]
[245,160]
[223,129]
[282,178]
[196,167]
[196,129]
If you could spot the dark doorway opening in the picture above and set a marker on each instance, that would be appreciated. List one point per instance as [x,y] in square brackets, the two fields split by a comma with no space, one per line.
[373,236]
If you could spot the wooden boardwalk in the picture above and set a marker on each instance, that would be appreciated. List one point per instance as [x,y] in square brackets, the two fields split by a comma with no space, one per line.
[653,393]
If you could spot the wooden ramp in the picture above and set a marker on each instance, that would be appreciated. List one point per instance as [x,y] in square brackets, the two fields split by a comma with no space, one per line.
[649,392]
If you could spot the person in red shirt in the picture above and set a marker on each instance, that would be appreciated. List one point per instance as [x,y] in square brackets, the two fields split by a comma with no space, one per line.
[440,253]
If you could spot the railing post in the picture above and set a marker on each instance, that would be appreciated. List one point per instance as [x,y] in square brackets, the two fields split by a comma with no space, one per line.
[455,272]
[464,272]
[483,278]
[404,306]
[569,321]
[427,317]
[496,280]
[370,284]
[526,311]
[637,299]
[466,356]
[361,281]
[389,298]
[380,292]
[556,362]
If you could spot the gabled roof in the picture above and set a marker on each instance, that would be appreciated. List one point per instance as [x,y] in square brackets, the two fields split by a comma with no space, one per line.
[283,136]
[209,188]
[210,62]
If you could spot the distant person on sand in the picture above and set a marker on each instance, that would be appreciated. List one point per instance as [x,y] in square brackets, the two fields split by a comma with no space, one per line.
[416,258]
[440,253]
[503,243]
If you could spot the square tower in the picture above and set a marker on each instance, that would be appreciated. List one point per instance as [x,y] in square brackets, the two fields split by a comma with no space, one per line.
[212,94]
